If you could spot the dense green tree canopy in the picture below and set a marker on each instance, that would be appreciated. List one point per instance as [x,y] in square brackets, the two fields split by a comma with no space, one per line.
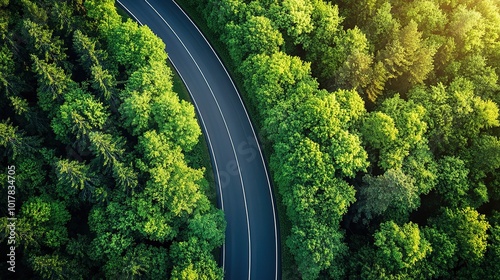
[399,249]
[403,118]
[256,35]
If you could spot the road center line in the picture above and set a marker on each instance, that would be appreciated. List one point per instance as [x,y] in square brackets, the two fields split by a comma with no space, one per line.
[254,134]
[230,138]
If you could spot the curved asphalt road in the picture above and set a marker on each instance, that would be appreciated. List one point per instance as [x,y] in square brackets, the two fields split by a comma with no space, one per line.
[251,247]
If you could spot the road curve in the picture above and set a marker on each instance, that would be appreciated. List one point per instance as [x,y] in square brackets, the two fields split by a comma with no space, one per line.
[251,249]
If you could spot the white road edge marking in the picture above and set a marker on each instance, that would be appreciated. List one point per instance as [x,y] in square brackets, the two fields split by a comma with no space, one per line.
[254,134]
[230,138]
[136,19]
[211,149]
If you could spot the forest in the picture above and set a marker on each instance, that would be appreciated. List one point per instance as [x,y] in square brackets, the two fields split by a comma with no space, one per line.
[380,120]
[103,154]
[381,123]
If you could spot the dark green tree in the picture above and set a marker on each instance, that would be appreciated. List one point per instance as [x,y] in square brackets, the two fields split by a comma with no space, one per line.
[392,195]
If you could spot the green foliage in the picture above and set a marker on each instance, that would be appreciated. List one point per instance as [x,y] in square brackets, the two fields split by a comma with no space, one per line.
[176,120]
[192,262]
[407,117]
[49,266]
[107,150]
[208,227]
[427,15]
[379,130]
[399,120]
[428,71]
[484,156]
[315,203]
[16,142]
[73,174]
[32,178]
[272,77]
[52,83]
[355,70]
[455,115]
[340,58]
[304,177]
[157,150]
[492,258]
[256,35]
[453,181]
[125,176]
[422,167]
[141,261]
[326,23]
[103,82]
[92,59]
[440,261]
[293,17]
[19,105]
[471,238]
[467,28]
[174,188]
[150,103]
[136,111]
[41,42]
[78,116]
[322,120]
[315,248]
[392,195]
[6,68]
[62,18]
[86,49]
[407,59]
[7,133]
[103,13]
[400,249]
[156,224]
[34,12]
[220,13]
[133,46]
[42,222]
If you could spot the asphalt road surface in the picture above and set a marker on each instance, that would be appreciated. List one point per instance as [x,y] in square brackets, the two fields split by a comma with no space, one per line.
[251,249]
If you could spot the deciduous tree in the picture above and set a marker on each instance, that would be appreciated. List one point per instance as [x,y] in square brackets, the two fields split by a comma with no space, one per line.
[399,249]
[392,195]
[471,239]
[256,35]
